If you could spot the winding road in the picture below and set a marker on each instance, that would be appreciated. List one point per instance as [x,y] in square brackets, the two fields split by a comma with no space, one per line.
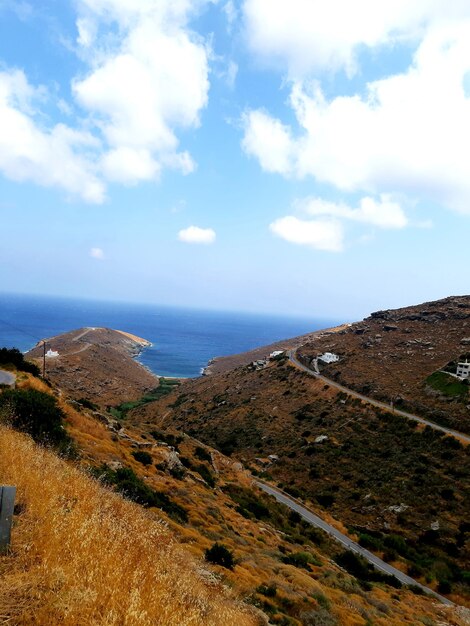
[381,405]
[6,378]
[313,519]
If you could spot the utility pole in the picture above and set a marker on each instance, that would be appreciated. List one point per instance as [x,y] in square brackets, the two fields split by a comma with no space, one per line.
[44,359]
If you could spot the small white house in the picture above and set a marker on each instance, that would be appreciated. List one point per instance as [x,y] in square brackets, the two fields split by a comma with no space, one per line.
[51,354]
[329,357]
[276,353]
[463,370]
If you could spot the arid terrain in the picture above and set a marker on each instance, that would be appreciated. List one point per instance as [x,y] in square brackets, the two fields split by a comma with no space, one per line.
[401,488]
[191,457]
[391,354]
[97,364]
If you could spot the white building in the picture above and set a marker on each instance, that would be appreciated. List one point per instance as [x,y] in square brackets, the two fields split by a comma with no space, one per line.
[463,370]
[276,353]
[329,357]
[51,353]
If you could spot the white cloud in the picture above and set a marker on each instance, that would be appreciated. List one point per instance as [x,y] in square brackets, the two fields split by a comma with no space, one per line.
[319,234]
[305,36]
[231,14]
[268,140]
[194,234]
[97,253]
[409,134]
[152,83]
[55,157]
[147,81]
[384,213]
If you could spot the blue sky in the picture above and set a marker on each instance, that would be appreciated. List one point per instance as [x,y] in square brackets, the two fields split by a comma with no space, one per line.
[300,157]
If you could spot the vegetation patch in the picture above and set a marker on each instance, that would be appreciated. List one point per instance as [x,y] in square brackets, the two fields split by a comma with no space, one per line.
[37,414]
[220,555]
[448,385]
[165,386]
[142,457]
[134,488]
[15,358]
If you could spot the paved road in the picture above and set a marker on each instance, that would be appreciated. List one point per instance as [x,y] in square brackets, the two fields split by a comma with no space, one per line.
[345,540]
[381,405]
[6,378]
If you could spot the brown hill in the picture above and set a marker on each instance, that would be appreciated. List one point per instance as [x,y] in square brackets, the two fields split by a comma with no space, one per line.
[97,364]
[391,356]
[401,488]
[130,568]
[282,565]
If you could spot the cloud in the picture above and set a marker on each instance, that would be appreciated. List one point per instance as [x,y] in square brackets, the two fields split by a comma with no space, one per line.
[307,36]
[319,234]
[151,83]
[408,134]
[327,233]
[194,234]
[383,213]
[147,80]
[54,157]
[97,253]
[231,14]
[269,141]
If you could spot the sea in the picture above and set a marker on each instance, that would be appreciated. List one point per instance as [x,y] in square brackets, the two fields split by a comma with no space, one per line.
[183,340]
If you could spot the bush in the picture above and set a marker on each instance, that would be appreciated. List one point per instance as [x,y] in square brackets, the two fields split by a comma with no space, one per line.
[301,559]
[202,454]
[14,357]
[220,555]
[204,473]
[143,457]
[269,591]
[35,413]
[132,487]
[444,586]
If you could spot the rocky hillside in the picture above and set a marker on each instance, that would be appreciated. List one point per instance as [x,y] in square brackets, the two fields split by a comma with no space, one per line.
[400,488]
[97,364]
[283,569]
[394,355]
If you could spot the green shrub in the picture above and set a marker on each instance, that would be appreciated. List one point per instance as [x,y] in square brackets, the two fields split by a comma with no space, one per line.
[269,591]
[12,356]
[444,586]
[35,413]
[134,488]
[204,473]
[220,555]
[202,454]
[300,559]
[143,457]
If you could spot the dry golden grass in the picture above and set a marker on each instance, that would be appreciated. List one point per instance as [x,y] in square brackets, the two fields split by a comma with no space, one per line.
[82,555]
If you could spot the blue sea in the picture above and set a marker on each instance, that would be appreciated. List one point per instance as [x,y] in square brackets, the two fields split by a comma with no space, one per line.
[183,340]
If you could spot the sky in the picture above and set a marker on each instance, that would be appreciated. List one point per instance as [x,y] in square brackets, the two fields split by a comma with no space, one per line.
[302,158]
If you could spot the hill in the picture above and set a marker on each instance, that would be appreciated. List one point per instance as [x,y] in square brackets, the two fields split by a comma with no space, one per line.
[97,364]
[281,565]
[401,489]
[397,356]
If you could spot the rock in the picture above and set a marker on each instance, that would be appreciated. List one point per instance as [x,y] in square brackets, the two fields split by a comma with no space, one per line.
[390,327]
[321,438]
[435,525]
[398,508]
[465,341]
[173,461]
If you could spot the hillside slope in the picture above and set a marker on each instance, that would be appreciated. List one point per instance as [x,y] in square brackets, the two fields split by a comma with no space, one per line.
[403,490]
[391,356]
[83,555]
[97,364]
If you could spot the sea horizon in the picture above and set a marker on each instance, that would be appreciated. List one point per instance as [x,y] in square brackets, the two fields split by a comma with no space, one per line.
[184,339]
